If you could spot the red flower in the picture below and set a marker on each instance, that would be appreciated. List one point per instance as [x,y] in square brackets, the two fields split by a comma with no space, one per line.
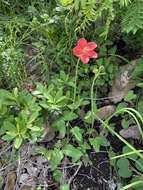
[85,50]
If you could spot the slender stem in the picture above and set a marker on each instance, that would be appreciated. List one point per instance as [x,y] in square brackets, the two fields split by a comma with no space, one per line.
[121,57]
[92,96]
[75,82]
[125,154]
[132,185]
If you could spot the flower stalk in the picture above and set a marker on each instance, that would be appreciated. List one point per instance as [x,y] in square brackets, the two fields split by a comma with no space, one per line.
[75,81]
[97,73]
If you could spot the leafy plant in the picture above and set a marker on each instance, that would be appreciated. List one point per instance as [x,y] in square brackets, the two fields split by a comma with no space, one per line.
[21,119]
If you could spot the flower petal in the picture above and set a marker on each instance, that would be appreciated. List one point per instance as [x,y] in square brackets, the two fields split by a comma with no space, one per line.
[84,58]
[92,54]
[91,46]
[82,42]
[77,51]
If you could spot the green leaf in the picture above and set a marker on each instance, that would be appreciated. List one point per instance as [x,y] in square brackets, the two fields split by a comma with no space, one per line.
[121,106]
[98,142]
[72,152]
[55,158]
[140,85]
[88,117]
[125,173]
[123,163]
[65,187]
[34,128]
[123,168]
[77,132]
[138,71]
[65,2]
[69,116]
[125,124]
[140,107]
[60,126]
[139,186]
[57,174]
[130,96]
[33,117]
[139,165]
[9,126]
[8,137]
[18,142]
[126,149]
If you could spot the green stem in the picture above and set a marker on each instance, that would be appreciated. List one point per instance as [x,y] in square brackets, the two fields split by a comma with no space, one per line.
[92,96]
[121,57]
[75,82]
[125,154]
[132,185]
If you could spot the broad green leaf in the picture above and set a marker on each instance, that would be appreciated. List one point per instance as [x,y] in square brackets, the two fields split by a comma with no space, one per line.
[123,168]
[8,137]
[125,173]
[8,126]
[77,132]
[13,134]
[98,142]
[69,116]
[55,158]
[123,163]
[72,152]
